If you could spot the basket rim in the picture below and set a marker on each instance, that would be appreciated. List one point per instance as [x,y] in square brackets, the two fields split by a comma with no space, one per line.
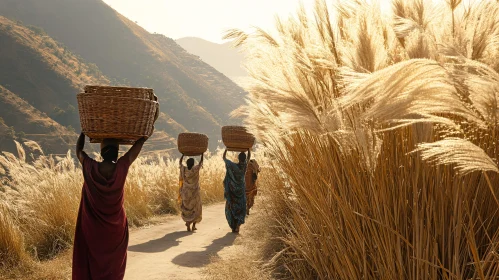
[115,87]
[94,96]
[193,134]
[235,126]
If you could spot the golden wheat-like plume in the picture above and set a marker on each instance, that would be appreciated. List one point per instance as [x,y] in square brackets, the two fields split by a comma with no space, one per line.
[465,155]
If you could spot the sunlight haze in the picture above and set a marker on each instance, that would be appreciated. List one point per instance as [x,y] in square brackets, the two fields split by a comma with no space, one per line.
[204,19]
[208,19]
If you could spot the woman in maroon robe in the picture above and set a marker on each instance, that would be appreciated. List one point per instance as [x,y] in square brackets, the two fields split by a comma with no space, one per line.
[101,237]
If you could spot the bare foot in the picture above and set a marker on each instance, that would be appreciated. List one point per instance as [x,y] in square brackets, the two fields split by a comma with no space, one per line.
[194,227]
[247,212]
[237,229]
[188,226]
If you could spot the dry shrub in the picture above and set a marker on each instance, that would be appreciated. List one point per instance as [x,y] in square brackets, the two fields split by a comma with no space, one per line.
[384,132]
[43,195]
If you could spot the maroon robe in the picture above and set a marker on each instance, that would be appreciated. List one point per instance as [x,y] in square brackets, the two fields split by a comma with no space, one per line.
[101,238]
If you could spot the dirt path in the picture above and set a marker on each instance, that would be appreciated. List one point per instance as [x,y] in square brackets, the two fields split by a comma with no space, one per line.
[168,251]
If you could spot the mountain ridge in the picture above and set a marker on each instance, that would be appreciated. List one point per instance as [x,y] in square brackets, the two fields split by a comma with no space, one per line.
[223,57]
[193,95]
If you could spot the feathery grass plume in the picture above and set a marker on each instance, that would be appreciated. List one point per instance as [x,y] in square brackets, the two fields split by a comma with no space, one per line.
[20,152]
[415,87]
[476,36]
[415,27]
[34,146]
[11,241]
[363,53]
[465,155]
[237,36]
[480,82]
[11,159]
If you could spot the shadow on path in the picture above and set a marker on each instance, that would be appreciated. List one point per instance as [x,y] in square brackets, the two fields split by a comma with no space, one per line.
[160,245]
[202,258]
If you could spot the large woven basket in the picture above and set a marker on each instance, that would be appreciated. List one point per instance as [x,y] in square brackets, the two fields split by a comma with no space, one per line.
[192,144]
[124,118]
[237,139]
[143,93]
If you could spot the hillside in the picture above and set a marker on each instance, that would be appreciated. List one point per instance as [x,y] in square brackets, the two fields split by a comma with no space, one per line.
[18,119]
[39,79]
[193,95]
[43,72]
[222,57]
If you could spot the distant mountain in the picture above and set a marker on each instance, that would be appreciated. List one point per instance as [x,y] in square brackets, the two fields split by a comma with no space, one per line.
[223,57]
[52,48]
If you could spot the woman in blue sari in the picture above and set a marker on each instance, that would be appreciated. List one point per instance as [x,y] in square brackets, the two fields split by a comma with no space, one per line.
[235,191]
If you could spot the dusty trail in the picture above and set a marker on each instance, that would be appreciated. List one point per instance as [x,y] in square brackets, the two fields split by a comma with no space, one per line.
[168,251]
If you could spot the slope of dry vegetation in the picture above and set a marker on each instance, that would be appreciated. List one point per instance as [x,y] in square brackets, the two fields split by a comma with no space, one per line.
[384,132]
[39,200]
[192,93]
[43,72]
[39,80]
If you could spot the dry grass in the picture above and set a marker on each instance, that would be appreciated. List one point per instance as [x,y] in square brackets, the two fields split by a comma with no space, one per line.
[384,132]
[41,198]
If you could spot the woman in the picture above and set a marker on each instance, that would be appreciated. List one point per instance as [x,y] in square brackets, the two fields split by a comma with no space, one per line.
[101,236]
[191,207]
[234,191]
[251,187]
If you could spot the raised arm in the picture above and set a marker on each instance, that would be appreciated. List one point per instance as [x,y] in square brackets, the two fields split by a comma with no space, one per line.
[134,151]
[249,155]
[181,160]
[80,144]
[201,161]
[225,154]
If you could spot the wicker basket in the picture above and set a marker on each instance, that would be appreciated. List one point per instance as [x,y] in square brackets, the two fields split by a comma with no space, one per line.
[143,93]
[192,144]
[237,139]
[123,118]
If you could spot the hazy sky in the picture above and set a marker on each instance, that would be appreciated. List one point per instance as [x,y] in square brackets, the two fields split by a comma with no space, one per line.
[206,19]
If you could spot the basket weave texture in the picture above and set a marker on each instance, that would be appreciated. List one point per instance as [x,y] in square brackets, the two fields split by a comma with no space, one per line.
[237,139]
[192,144]
[143,93]
[122,115]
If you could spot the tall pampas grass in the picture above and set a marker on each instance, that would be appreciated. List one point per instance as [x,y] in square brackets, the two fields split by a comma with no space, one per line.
[384,132]
[40,197]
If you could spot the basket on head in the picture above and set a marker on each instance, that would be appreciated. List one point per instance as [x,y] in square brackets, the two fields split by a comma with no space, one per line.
[126,118]
[192,144]
[237,139]
[143,93]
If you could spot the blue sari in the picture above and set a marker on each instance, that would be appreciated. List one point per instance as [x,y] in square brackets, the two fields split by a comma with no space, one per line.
[235,193]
